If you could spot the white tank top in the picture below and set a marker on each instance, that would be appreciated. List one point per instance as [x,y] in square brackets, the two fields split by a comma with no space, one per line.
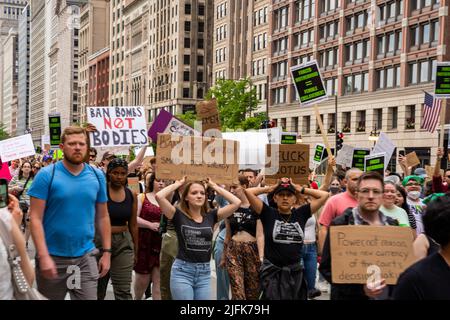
[310,230]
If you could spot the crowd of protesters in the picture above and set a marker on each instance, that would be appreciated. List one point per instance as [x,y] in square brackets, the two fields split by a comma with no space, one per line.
[267,240]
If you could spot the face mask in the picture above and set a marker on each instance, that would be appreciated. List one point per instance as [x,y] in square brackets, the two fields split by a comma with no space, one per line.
[414,195]
[334,190]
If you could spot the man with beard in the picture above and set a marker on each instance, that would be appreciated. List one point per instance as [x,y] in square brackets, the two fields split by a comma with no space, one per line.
[67,200]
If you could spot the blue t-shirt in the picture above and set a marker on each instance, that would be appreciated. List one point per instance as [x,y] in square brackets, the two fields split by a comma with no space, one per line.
[69,217]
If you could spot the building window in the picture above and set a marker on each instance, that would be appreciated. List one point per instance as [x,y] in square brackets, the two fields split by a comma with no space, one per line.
[421,71]
[185,92]
[378,118]
[306,126]
[187,8]
[410,117]
[388,77]
[279,95]
[187,26]
[281,18]
[356,83]
[361,121]
[425,33]
[187,42]
[328,5]
[392,118]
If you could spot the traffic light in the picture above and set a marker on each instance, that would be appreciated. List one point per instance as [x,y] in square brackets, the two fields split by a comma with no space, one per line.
[266,124]
[339,140]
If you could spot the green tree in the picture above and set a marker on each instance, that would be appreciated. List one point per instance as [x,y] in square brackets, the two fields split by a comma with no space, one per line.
[3,134]
[236,100]
[188,118]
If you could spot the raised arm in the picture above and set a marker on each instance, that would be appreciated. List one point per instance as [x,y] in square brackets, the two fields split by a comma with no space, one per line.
[437,166]
[138,160]
[161,197]
[402,163]
[320,197]
[328,174]
[234,202]
[252,196]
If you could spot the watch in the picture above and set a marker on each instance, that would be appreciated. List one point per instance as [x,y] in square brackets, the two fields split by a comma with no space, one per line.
[303,190]
[106,250]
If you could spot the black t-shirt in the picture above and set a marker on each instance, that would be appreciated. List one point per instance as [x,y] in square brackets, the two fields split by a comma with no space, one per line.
[244,219]
[284,235]
[194,239]
[428,279]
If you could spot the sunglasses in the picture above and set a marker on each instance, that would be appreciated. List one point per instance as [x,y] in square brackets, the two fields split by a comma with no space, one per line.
[93,156]
[36,168]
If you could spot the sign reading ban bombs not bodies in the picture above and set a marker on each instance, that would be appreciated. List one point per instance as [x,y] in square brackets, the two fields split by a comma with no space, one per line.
[292,162]
[197,158]
[118,126]
[362,254]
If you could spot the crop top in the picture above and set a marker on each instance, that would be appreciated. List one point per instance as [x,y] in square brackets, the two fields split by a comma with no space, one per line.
[120,212]
[244,219]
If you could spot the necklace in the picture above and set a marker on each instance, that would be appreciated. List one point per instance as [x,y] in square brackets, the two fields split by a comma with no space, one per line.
[288,218]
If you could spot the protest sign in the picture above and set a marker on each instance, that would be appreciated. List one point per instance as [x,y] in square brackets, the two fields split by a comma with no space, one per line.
[412,160]
[148,153]
[292,161]
[252,148]
[345,156]
[361,254]
[197,158]
[375,162]
[384,145]
[55,129]
[165,122]
[430,171]
[17,147]
[208,114]
[133,184]
[118,126]
[358,157]
[288,138]
[309,83]
[442,82]
[319,150]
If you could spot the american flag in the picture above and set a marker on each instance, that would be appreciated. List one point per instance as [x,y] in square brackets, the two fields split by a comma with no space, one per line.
[431,112]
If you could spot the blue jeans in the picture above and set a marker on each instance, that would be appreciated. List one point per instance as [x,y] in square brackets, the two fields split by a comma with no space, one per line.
[190,281]
[309,261]
[223,280]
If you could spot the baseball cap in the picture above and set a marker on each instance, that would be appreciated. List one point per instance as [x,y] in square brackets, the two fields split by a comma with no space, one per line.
[46,158]
[285,187]
[107,155]
[421,172]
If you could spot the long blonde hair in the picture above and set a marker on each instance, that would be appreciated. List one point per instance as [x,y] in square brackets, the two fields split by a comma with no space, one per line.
[183,204]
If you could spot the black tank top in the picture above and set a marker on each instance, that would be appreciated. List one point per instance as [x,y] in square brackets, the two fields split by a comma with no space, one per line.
[244,219]
[434,246]
[120,212]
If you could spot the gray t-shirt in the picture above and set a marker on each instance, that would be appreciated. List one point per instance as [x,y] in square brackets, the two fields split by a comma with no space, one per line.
[194,239]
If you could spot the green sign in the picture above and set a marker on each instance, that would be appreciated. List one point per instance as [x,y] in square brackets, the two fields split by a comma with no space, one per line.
[375,163]
[55,130]
[442,83]
[309,84]
[318,154]
[288,138]
[358,157]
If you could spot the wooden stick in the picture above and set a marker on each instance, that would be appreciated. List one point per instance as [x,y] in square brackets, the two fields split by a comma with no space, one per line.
[324,134]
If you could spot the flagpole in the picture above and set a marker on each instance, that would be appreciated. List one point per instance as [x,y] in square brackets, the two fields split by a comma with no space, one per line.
[441,137]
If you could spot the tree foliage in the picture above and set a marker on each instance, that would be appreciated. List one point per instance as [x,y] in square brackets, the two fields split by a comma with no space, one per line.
[3,134]
[188,118]
[236,100]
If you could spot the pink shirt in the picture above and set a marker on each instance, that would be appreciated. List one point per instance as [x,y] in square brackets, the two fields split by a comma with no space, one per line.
[336,206]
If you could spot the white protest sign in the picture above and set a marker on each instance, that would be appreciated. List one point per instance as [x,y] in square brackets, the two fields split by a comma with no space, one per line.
[17,147]
[274,134]
[148,153]
[45,140]
[384,145]
[345,156]
[118,126]
[252,148]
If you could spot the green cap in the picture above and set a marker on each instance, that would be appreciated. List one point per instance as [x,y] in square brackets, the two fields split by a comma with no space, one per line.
[416,178]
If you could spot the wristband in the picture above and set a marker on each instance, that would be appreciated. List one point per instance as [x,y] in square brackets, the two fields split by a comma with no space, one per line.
[303,190]
[106,250]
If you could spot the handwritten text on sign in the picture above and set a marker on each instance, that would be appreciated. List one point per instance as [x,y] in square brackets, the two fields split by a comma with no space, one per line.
[118,126]
[355,249]
[16,148]
[292,162]
[197,158]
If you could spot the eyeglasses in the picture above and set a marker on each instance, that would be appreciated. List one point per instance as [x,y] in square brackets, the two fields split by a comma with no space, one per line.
[92,156]
[365,192]
[415,184]
[37,168]
[447,177]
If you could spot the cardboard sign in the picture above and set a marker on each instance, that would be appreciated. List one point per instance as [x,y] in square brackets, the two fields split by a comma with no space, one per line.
[318,153]
[430,171]
[133,184]
[17,147]
[118,126]
[358,157]
[309,83]
[288,138]
[384,145]
[412,159]
[375,162]
[208,114]
[364,254]
[55,129]
[345,156]
[197,158]
[252,148]
[165,122]
[292,162]
[442,82]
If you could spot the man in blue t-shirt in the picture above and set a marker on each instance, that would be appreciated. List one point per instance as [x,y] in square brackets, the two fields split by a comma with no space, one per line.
[68,203]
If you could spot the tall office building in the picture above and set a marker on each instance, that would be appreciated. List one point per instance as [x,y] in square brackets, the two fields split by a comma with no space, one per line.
[10,77]
[24,72]
[376,57]
[241,48]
